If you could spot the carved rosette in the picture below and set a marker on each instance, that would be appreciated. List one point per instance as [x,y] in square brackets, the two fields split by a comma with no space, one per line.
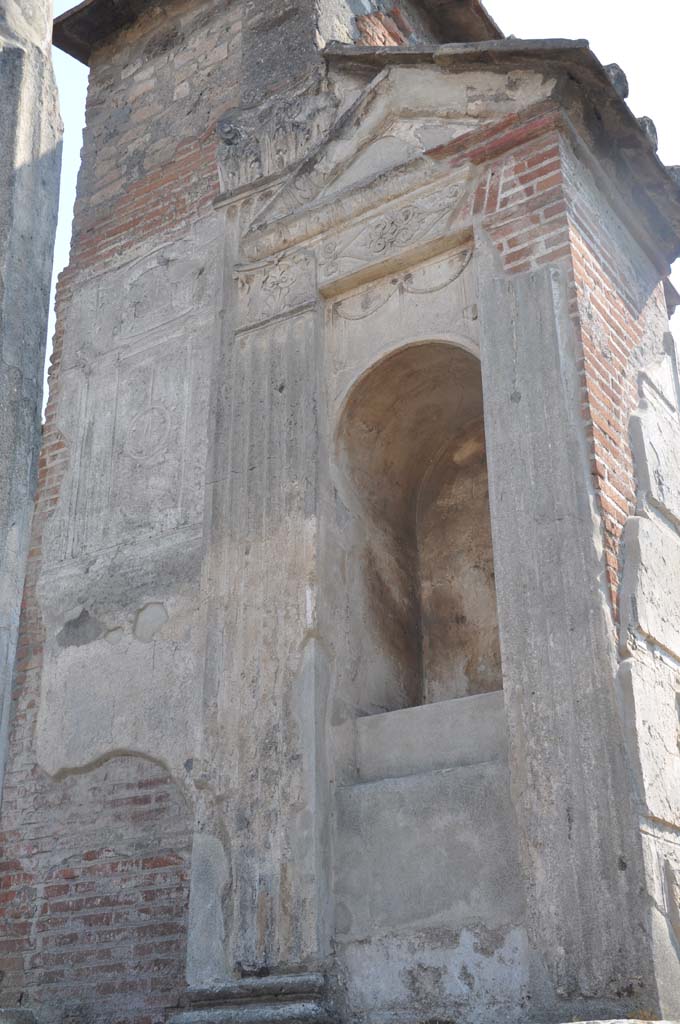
[275,287]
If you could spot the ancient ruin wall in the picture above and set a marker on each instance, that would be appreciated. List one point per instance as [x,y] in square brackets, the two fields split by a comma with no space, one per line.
[95,866]
[134,200]
[30,158]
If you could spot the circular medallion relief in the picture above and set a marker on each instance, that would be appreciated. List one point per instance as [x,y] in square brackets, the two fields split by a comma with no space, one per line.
[148,433]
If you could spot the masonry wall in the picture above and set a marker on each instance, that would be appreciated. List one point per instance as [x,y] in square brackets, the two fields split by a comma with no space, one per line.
[94,888]
[95,847]
[542,205]
[95,865]
[95,850]
[155,94]
[622,319]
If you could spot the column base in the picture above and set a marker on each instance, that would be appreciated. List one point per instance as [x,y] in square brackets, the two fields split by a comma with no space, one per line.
[277,999]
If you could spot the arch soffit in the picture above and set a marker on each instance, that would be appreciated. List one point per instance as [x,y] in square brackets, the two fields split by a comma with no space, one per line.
[363,372]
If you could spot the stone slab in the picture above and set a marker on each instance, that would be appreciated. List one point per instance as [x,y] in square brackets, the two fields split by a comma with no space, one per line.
[655,438]
[651,701]
[387,878]
[447,734]
[650,593]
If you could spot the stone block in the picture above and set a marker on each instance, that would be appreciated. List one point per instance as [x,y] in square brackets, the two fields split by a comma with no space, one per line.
[650,594]
[387,878]
[651,700]
[210,875]
[438,974]
[447,734]
[661,854]
[655,438]
[429,897]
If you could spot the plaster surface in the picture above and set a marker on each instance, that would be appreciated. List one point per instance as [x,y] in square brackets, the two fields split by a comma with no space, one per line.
[30,159]
[326,554]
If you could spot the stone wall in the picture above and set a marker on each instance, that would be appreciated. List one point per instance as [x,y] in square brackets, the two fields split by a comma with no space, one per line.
[95,850]
[219,595]
[96,865]
[30,159]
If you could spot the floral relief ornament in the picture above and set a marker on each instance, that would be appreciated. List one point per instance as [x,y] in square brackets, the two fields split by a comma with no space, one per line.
[330,255]
[392,231]
[279,280]
[395,231]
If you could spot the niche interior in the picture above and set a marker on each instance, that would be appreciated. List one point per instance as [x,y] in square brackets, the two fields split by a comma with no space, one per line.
[412,454]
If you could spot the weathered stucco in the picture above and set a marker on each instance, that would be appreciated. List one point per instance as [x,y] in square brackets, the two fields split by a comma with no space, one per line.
[30,158]
[333,557]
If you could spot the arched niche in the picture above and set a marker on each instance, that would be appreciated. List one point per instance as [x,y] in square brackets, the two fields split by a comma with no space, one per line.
[411,454]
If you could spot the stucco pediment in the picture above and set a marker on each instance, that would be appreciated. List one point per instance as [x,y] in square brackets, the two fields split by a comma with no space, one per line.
[382,143]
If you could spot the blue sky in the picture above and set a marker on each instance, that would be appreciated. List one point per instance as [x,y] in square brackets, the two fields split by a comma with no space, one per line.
[642,38]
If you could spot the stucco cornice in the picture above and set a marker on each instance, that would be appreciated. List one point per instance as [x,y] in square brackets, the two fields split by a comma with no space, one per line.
[587,95]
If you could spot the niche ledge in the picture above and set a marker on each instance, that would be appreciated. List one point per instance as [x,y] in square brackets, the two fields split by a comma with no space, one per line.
[446,734]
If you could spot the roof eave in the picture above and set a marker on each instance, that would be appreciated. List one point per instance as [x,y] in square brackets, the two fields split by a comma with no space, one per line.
[81,29]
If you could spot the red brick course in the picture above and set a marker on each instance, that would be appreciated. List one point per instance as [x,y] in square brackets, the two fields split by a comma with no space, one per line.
[382,29]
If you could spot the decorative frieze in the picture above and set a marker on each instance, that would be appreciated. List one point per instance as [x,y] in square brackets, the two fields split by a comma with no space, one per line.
[274,287]
[273,138]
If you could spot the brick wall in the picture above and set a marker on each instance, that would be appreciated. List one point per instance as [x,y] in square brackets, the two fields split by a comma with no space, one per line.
[154,98]
[94,888]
